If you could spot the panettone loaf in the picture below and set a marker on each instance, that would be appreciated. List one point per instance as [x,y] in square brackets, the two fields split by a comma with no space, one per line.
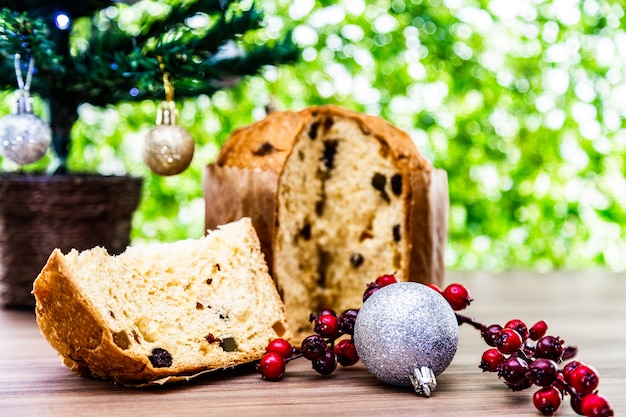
[161,312]
[346,197]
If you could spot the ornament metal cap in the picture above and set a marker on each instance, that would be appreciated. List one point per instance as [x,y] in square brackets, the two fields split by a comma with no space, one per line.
[423,380]
[23,103]
[167,114]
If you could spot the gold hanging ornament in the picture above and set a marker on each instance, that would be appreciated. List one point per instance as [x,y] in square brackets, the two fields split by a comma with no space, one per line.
[24,137]
[168,148]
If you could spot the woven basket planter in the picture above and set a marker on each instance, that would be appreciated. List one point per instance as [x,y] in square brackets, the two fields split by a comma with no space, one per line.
[39,213]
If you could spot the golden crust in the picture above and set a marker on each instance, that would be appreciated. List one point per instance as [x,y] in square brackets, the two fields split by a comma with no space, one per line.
[65,319]
[263,145]
[266,144]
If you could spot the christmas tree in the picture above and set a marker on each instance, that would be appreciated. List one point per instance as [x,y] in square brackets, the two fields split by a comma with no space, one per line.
[105,52]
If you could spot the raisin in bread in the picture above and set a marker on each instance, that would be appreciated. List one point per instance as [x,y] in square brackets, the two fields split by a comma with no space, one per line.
[161,312]
[344,197]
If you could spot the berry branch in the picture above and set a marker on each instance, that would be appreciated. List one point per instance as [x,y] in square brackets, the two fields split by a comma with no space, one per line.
[467,320]
[325,349]
[526,357]
[523,357]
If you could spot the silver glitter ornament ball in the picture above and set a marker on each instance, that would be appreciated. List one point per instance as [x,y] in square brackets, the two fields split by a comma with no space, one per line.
[168,149]
[402,327]
[24,137]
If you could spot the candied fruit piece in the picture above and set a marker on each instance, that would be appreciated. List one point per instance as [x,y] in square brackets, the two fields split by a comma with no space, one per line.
[160,358]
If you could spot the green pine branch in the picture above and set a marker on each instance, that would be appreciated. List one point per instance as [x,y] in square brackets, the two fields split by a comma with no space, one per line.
[182,11]
[110,66]
[40,8]
[26,37]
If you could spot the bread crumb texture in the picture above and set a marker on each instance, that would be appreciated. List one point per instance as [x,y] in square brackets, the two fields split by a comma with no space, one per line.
[342,215]
[160,310]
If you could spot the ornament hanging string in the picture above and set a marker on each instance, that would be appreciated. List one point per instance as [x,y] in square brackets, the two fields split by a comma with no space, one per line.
[23,102]
[168,114]
[167,84]
[24,86]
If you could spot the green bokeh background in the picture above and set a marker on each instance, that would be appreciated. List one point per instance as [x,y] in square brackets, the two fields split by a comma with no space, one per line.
[522,102]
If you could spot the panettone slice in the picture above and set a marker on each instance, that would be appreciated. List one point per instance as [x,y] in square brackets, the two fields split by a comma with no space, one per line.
[161,312]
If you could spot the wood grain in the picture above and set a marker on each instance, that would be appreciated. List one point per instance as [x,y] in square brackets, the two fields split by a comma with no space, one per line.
[585,309]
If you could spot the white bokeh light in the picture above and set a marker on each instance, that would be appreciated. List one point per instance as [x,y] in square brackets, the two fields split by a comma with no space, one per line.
[62,21]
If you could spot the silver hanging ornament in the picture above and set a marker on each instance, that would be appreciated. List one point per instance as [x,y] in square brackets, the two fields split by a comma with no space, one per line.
[24,137]
[168,148]
[406,334]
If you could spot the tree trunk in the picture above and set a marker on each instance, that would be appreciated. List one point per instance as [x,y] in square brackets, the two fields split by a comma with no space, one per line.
[63,115]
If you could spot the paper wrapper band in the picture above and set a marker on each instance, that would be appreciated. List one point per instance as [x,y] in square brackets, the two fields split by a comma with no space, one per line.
[231,193]
[429,226]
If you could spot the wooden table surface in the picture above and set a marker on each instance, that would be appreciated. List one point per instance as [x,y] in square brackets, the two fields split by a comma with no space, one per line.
[585,309]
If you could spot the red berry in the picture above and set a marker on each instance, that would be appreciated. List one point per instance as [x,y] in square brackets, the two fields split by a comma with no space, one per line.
[385,280]
[595,405]
[313,347]
[458,296]
[514,370]
[272,366]
[538,330]
[584,379]
[543,372]
[508,341]
[371,289]
[549,347]
[547,400]
[280,346]
[569,367]
[519,326]
[346,353]
[347,320]
[491,360]
[436,288]
[490,333]
[327,325]
[327,364]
